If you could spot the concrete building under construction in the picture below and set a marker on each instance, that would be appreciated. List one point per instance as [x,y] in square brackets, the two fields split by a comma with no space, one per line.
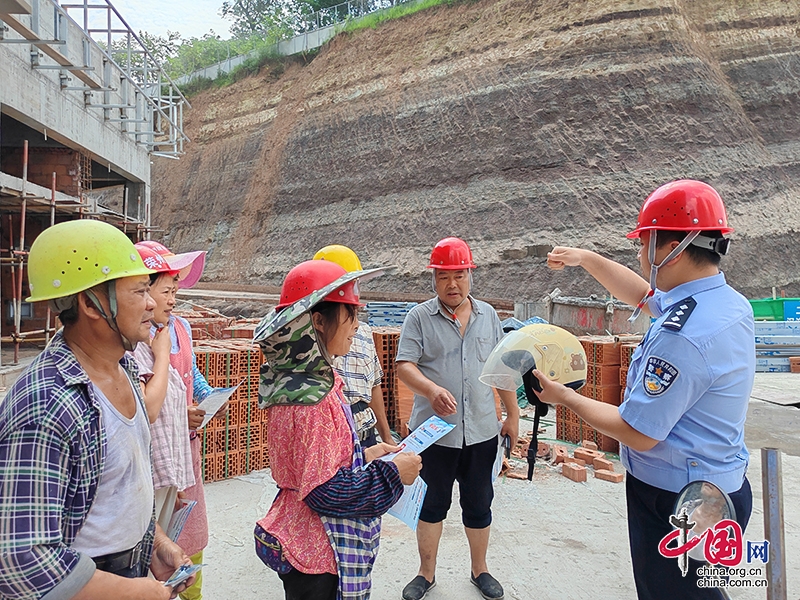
[84,109]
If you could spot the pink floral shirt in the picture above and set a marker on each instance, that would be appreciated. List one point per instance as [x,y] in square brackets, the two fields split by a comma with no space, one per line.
[308,445]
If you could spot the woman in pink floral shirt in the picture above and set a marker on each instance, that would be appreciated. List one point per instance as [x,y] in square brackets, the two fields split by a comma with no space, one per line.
[321,534]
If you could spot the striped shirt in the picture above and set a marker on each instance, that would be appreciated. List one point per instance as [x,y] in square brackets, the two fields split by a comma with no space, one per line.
[52,451]
[360,368]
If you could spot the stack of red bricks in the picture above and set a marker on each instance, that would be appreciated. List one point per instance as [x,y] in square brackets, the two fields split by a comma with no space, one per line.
[386,339]
[602,384]
[574,467]
[625,354]
[242,328]
[235,443]
[206,324]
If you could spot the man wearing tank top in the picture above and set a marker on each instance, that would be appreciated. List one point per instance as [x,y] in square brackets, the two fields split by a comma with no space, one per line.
[76,499]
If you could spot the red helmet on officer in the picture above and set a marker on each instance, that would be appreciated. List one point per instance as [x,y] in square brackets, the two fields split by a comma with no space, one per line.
[451,254]
[683,205]
[313,275]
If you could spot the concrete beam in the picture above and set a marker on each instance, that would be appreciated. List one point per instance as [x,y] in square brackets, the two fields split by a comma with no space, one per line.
[15,7]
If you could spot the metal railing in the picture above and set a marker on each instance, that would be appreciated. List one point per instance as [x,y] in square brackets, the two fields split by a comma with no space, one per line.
[299,41]
[124,48]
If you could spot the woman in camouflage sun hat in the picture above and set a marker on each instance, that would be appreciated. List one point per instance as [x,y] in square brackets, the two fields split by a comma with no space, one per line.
[321,533]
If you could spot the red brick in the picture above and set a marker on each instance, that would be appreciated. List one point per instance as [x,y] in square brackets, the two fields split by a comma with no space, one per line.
[609,476]
[574,472]
[587,455]
[560,453]
[589,445]
[543,451]
[602,464]
[574,461]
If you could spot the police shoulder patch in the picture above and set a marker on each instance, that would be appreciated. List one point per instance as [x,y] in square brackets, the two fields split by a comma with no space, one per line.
[658,376]
[678,316]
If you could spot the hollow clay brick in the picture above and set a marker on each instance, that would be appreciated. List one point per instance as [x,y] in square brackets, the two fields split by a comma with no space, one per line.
[574,461]
[560,453]
[587,455]
[602,464]
[609,476]
[589,445]
[574,472]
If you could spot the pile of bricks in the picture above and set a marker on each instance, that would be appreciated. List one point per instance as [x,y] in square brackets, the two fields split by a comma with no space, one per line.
[602,384]
[234,443]
[574,467]
[625,353]
[242,328]
[386,339]
[206,324]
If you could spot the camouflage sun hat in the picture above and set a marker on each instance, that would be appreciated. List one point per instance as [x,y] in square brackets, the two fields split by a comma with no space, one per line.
[296,371]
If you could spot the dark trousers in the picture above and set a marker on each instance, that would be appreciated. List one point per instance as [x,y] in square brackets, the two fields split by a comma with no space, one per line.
[304,586]
[471,466]
[656,577]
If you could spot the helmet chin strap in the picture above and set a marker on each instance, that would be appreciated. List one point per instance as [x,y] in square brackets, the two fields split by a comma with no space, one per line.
[111,320]
[651,258]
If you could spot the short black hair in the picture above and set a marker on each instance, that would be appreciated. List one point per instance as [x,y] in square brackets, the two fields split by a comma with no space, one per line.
[700,256]
[330,315]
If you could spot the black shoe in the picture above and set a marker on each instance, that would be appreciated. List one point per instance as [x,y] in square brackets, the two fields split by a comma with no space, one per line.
[489,586]
[418,588]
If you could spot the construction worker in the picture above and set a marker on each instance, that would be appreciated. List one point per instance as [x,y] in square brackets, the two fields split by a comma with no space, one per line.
[173,385]
[689,381]
[77,488]
[443,346]
[360,368]
[322,532]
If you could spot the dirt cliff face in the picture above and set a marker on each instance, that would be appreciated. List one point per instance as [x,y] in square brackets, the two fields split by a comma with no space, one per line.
[514,124]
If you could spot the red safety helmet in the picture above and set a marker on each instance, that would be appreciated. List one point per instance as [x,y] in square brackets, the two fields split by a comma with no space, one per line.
[451,254]
[153,260]
[683,205]
[313,275]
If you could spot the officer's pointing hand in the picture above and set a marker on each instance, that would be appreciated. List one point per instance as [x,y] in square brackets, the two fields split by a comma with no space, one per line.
[562,256]
[442,402]
[552,391]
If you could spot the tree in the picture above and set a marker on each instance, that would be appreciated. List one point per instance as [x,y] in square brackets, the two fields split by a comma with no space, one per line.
[274,18]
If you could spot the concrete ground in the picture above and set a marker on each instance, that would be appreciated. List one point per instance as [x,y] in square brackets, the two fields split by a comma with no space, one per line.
[552,539]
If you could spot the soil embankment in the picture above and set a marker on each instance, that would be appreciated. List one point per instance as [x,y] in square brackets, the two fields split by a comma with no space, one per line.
[514,124]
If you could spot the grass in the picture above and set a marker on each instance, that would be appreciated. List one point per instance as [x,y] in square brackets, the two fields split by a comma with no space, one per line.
[374,20]
[268,56]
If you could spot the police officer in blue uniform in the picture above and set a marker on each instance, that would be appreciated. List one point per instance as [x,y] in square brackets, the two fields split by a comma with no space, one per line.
[689,382]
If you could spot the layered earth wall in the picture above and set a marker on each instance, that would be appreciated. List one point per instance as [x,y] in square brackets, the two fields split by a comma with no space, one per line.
[515,124]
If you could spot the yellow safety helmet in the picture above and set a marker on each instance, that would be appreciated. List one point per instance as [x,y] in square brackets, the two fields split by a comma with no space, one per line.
[74,256]
[341,255]
[553,350]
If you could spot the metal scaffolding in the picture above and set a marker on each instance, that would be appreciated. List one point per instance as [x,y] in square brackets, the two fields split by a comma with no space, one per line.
[147,104]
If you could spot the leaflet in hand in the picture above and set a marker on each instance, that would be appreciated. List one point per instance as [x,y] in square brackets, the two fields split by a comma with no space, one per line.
[407,509]
[178,519]
[214,402]
[182,574]
[423,436]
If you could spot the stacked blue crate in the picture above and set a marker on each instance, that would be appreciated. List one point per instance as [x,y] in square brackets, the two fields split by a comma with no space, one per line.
[776,342]
[387,314]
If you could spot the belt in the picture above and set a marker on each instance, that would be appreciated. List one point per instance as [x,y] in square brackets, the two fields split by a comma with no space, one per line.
[118,561]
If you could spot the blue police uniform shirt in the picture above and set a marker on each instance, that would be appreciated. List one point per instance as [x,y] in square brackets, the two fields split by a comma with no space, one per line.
[689,385]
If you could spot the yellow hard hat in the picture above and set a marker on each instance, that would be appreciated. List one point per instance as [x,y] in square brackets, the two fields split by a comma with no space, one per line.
[74,256]
[341,255]
[553,350]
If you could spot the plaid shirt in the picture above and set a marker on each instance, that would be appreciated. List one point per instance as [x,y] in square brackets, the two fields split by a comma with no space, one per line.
[360,368]
[52,451]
